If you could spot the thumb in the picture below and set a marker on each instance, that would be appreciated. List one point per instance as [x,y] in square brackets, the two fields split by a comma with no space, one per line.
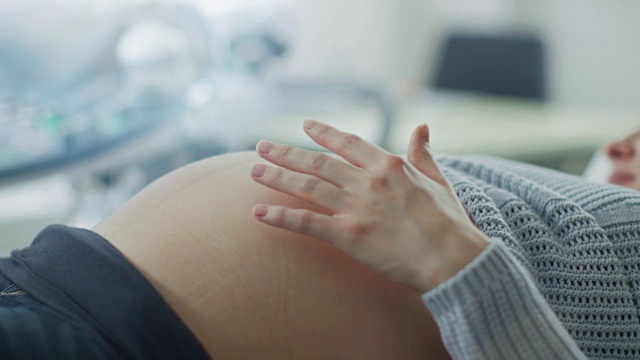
[420,156]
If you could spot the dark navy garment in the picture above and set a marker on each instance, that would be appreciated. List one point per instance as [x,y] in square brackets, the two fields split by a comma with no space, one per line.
[72,295]
[31,330]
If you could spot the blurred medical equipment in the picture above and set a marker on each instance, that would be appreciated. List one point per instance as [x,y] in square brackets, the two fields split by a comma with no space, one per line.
[99,99]
[92,94]
[127,79]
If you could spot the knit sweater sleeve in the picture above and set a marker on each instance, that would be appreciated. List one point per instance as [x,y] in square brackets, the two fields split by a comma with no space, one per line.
[492,310]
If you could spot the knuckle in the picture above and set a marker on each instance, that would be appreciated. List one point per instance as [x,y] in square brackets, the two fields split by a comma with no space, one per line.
[284,152]
[377,182]
[323,131]
[356,230]
[309,185]
[317,162]
[393,161]
[304,221]
[276,175]
[349,140]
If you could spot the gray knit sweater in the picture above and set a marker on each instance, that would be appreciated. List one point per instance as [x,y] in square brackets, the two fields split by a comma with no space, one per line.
[561,279]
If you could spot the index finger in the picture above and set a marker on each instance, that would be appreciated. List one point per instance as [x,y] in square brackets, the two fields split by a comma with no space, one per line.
[349,146]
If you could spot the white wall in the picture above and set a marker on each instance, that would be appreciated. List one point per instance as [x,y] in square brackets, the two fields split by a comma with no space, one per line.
[594,52]
[386,40]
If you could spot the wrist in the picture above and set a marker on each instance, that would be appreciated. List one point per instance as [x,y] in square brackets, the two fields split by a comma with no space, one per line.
[457,252]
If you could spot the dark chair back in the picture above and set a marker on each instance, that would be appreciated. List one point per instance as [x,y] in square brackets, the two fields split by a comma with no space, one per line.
[512,65]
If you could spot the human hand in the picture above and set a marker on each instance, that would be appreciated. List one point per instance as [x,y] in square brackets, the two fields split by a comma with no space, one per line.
[401,218]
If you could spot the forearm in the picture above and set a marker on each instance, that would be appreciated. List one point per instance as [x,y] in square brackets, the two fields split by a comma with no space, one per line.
[492,310]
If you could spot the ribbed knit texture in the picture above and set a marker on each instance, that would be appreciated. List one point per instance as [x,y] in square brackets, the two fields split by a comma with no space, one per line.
[565,270]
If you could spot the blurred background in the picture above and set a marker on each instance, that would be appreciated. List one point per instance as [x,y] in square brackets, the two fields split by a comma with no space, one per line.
[100,97]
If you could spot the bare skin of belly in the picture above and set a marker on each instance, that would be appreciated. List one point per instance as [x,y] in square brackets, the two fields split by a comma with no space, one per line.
[249,291]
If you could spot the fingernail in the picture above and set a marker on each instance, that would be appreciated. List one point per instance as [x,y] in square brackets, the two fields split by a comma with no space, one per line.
[309,124]
[258,170]
[424,132]
[265,147]
[260,210]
